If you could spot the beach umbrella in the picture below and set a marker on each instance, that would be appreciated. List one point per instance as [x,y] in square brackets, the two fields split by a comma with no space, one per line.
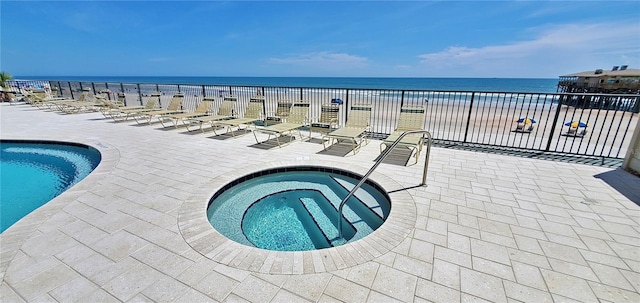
[576,124]
[526,120]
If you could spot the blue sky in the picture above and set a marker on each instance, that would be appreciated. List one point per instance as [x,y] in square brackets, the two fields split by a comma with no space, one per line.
[506,39]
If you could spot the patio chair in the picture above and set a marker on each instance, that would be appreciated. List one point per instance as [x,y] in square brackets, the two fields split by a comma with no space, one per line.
[297,118]
[253,113]
[86,102]
[225,111]
[522,128]
[174,107]
[328,120]
[203,109]
[124,113]
[60,104]
[354,130]
[283,108]
[411,118]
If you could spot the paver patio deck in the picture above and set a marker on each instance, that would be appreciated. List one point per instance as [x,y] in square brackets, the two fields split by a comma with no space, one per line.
[486,228]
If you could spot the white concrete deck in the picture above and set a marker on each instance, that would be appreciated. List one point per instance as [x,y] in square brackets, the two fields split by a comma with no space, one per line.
[486,228]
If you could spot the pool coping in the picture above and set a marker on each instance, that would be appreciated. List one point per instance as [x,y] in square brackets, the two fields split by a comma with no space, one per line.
[196,230]
[13,238]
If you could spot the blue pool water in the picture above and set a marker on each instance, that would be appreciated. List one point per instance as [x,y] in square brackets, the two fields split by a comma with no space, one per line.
[31,174]
[296,210]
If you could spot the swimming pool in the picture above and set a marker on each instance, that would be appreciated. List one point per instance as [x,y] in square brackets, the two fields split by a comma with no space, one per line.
[295,209]
[34,172]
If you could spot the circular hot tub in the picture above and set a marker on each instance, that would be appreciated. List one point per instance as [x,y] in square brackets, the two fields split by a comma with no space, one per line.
[296,208]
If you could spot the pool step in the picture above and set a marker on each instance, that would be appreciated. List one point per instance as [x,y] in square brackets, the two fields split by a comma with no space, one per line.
[365,206]
[326,217]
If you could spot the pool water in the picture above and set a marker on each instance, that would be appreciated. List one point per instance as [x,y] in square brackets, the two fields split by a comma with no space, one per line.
[31,174]
[297,210]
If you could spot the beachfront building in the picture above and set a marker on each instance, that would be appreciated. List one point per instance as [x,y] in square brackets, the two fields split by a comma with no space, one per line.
[618,80]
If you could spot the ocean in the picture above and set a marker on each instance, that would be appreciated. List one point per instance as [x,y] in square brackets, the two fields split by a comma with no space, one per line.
[524,85]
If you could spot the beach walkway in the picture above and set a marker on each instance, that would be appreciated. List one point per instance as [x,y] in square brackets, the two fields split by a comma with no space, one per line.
[487,228]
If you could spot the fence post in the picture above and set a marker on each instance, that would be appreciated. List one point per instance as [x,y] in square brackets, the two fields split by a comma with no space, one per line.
[203,91]
[466,131]
[70,89]
[139,93]
[553,124]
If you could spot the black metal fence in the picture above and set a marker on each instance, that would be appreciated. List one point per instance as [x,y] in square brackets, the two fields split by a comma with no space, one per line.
[580,124]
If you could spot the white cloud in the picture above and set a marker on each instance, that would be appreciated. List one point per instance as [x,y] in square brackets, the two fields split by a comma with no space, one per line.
[324,61]
[549,53]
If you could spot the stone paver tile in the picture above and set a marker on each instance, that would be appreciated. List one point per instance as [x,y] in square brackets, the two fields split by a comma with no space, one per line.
[611,276]
[604,259]
[573,269]
[459,242]
[74,290]
[25,267]
[467,298]
[446,273]
[130,283]
[421,250]
[285,297]
[494,227]
[430,237]
[8,295]
[45,281]
[562,252]
[614,294]
[375,296]
[436,293]
[233,298]
[528,244]
[568,286]
[633,277]
[453,256]
[526,294]
[490,251]
[192,295]
[277,280]
[140,298]
[328,299]
[528,275]
[345,291]
[119,245]
[216,285]
[395,283]
[412,266]
[482,285]
[255,289]
[234,273]
[100,295]
[625,251]
[165,289]
[493,268]
[194,273]
[363,274]
[437,226]
[309,287]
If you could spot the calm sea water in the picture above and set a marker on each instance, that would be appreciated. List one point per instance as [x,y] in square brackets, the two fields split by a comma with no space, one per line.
[438,84]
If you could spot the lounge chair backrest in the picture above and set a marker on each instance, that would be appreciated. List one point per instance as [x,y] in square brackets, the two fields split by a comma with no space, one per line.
[153,101]
[411,118]
[299,112]
[121,99]
[227,106]
[329,113]
[176,102]
[255,108]
[205,106]
[40,95]
[359,115]
[283,108]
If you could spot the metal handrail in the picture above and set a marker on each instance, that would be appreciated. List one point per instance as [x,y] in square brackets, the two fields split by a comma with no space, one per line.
[375,165]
